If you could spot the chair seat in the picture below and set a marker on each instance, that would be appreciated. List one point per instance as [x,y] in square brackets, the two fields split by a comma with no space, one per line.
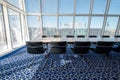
[58,50]
[103,49]
[36,50]
[81,49]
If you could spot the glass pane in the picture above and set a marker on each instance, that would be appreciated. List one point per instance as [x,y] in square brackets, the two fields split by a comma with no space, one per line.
[66,25]
[34,27]
[66,6]
[49,6]
[17,3]
[111,26]
[24,29]
[97,8]
[82,6]
[50,25]
[15,28]
[3,44]
[119,32]
[114,7]
[96,25]
[81,23]
[32,6]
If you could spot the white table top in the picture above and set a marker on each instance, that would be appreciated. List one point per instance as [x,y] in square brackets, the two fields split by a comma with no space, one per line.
[49,39]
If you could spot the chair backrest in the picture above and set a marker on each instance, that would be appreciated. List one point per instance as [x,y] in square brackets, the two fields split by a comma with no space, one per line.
[92,36]
[105,36]
[31,43]
[105,43]
[80,36]
[78,43]
[70,36]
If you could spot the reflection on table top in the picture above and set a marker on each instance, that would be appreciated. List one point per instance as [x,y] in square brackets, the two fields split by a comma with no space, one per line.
[80,39]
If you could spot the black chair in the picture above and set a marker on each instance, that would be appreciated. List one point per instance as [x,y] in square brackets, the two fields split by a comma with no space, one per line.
[81,47]
[58,47]
[105,36]
[117,36]
[70,36]
[92,36]
[44,36]
[34,48]
[80,36]
[103,47]
[57,36]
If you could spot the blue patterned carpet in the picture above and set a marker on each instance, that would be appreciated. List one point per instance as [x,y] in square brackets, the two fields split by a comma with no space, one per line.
[67,66]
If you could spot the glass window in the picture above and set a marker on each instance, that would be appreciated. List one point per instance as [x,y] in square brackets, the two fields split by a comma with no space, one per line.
[66,6]
[32,6]
[66,25]
[96,25]
[81,23]
[114,7]
[119,32]
[17,3]
[49,25]
[24,28]
[111,26]
[49,6]
[82,6]
[3,44]
[15,28]
[99,6]
[34,27]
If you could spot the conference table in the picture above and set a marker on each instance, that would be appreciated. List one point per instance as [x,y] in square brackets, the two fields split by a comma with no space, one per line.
[50,39]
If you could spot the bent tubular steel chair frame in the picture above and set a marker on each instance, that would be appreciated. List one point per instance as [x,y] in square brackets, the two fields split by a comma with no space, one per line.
[34,48]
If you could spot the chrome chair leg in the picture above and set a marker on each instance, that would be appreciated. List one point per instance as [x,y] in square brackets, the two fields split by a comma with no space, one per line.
[32,62]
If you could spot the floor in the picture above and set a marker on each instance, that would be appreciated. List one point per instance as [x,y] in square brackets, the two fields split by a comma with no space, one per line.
[67,66]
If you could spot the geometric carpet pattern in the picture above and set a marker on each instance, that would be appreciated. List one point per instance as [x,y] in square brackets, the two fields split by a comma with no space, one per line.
[69,66]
